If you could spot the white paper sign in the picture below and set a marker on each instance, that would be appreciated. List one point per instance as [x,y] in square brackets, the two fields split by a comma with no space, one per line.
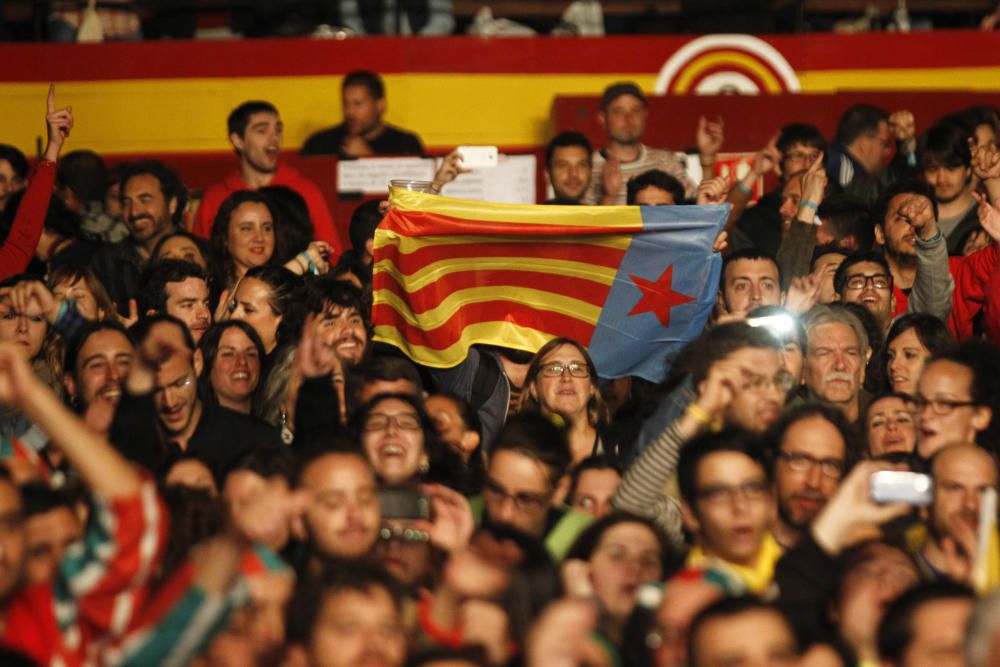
[512,181]
[371,176]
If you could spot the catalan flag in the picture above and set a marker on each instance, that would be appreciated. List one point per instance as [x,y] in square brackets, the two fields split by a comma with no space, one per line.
[630,283]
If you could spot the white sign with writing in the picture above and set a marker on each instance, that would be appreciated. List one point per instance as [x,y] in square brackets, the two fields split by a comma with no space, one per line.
[371,176]
[512,181]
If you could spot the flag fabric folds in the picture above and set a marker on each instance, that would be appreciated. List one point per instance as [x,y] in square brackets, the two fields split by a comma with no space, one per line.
[632,284]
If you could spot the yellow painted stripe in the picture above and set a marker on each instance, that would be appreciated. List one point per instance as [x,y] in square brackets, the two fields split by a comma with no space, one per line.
[410,244]
[743,62]
[432,319]
[628,217]
[511,335]
[943,78]
[432,272]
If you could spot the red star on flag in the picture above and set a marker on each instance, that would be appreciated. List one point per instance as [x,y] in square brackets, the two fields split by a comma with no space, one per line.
[659,297]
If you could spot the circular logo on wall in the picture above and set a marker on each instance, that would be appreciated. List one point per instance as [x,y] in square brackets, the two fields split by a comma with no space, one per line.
[727,64]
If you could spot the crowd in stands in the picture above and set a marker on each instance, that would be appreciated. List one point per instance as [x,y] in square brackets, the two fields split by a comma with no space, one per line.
[207,459]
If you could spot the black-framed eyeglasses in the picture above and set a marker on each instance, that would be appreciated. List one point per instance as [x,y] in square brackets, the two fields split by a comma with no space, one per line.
[942,407]
[555,369]
[379,421]
[879,281]
[525,501]
[799,462]
[724,494]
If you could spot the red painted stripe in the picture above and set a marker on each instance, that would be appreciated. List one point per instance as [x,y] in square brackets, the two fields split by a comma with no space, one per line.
[425,223]
[430,296]
[468,55]
[488,311]
[408,263]
[753,76]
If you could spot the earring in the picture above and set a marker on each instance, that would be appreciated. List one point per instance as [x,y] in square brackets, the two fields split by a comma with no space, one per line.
[424,467]
[286,433]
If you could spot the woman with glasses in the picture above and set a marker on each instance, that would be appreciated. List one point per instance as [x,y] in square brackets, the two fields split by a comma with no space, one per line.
[622,552]
[562,380]
[399,439]
[911,340]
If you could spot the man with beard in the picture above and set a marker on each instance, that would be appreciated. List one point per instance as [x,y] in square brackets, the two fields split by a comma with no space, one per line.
[946,164]
[945,548]
[568,165]
[864,278]
[835,362]
[96,364]
[153,201]
[339,318]
[623,115]
[255,131]
[809,459]
[363,132]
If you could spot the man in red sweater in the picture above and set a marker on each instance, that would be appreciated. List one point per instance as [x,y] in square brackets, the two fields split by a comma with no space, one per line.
[255,130]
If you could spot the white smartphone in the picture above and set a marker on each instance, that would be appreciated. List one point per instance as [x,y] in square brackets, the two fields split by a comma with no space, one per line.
[477,157]
[894,486]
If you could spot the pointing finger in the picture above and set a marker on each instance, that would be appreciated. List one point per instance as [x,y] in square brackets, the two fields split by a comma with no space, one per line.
[50,101]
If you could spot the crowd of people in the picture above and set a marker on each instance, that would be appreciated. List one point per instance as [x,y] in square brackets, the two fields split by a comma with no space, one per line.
[207,460]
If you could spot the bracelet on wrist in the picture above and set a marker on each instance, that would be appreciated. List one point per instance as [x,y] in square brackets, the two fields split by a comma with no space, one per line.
[699,415]
[809,204]
[744,188]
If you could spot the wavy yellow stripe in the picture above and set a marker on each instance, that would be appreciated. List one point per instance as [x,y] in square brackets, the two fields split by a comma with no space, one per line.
[409,244]
[694,69]
[536,298]
[437,270]
[627,217]
[505,333]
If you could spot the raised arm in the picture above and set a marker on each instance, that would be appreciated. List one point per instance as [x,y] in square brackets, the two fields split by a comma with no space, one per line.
[933,284]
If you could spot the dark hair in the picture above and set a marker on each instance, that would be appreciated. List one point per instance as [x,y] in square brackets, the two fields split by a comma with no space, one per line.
[75,343]
[725,608]
[293,227]
[930,330]
[983,361]
[268,461]
[587,542]
[597,409]
[592,462]
[536,437]
[386,368]
[209,346]
[85,174]
[141,328]
[984,114]
[945,145]
[364,221]
[311,591]
[616,90]
[239,117]
[326,291]
[654,178]
[369,80]
[155,277]
[170,184]
[909,186]
[222,259]
[284,293]
[793,415]
[40,498]
[840,277]
[564,140]
[195,515]
[800,133]
[847,217]
[59,219]
[198,242]
[827,249]
[896,631]
[750,252]
[721,341]
[860,119]
[18,163]
[73,273]
[701,447]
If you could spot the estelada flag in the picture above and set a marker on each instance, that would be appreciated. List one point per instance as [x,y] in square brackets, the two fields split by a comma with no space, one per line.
[631,283]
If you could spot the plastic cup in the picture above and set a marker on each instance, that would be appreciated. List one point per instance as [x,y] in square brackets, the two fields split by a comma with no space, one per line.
[413,186]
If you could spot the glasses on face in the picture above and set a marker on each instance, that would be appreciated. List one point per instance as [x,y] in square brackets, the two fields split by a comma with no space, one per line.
[555,369]
[524,501]
[758,383]
[809,156]
[799,462]
[723,494]
[879,281]
[940,406]
[379,421]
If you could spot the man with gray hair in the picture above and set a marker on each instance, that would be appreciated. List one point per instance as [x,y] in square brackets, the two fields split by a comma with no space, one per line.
[838,352]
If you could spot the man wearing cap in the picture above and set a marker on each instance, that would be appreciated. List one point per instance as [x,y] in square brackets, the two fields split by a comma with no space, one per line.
[623,115]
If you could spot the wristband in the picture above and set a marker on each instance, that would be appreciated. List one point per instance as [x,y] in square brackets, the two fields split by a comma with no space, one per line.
[744,188]
[310,267]
[699,415]
[933,239]
[63,308]
[809,204]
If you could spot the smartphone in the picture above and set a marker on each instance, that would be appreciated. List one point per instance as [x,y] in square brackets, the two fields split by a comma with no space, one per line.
[475,157]
[895,486]
[403,504]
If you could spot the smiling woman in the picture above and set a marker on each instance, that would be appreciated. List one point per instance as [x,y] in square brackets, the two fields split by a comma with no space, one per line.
[232,354]
[243,236]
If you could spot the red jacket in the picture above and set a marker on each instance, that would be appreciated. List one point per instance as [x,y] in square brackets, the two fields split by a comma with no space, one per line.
[972,277]
[19,248]
[322,221]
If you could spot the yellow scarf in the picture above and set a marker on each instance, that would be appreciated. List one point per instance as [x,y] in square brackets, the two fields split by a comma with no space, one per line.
[756,577]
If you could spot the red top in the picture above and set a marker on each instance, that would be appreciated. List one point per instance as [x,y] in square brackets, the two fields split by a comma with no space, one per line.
[322,221]
[19,248]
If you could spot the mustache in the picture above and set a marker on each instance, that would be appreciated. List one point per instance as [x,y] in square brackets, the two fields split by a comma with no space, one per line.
[837,376]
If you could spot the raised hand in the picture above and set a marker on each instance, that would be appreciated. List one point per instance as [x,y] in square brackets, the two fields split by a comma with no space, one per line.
[452,523]
[985,160]
[355,146]
[919,212]
[803,292]
[712,191]
[767,158]
[448,171]
[58,123]
[33,297]
[313,357]
[814,182]
[989,216]
[709,137]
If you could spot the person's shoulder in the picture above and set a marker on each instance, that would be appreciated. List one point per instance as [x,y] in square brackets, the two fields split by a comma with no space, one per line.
[404,139]
[324,142]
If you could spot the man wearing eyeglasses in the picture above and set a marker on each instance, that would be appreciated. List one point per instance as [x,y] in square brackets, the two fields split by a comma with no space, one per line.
[864,278]
[808,461]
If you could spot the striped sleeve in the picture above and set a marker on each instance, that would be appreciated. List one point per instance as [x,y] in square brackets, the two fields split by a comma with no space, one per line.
[641,490]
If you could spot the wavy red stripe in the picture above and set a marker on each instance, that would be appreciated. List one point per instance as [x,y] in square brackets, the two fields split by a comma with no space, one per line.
[424,223]
[412,262]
